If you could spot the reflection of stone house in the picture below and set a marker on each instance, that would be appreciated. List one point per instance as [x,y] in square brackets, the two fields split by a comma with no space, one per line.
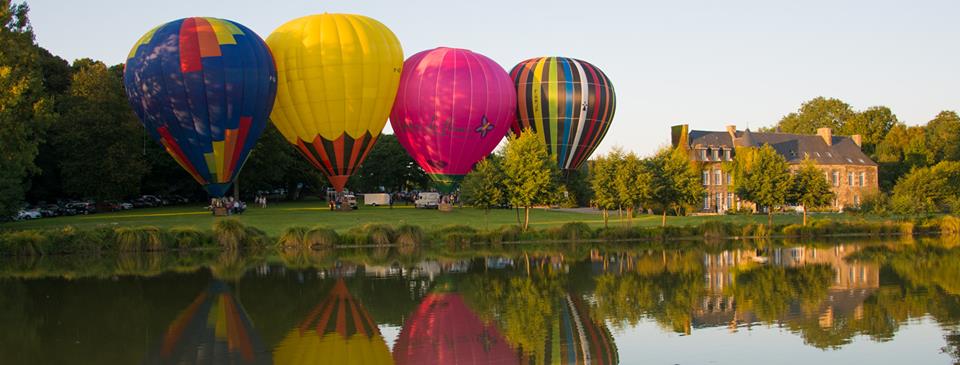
[851,173]
[847,275]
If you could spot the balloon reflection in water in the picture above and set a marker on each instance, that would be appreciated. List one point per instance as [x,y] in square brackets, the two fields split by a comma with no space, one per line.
[443,330]
[214,329]
[574,337]
[337,331]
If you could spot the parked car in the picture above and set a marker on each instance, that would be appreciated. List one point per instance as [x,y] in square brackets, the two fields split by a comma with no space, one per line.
[25,214]
[49,210]
[427,200]
[82,207]
[152,200]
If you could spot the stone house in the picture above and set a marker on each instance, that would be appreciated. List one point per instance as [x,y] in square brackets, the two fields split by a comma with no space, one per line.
[850,172]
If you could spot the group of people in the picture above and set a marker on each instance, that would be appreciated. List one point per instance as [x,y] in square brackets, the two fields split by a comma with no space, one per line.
[261,201]
[232,206]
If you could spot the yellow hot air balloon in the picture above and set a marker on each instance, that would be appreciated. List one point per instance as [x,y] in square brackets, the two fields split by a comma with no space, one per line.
[337,78]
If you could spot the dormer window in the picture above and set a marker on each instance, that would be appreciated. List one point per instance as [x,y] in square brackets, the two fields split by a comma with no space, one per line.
[829,154]
[716,154]
[703,154]
[726,155]
[818,154]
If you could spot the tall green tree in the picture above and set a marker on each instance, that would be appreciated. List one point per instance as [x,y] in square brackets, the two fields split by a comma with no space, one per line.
[819,112]
[809,188]
[675,181]
[943,136]
[390,167]
[760,175]
[872,124]
[633,183]
[483,187]
[24,106]
[926,190]
[98,140]
[275,163]
[603,180]
[530,174]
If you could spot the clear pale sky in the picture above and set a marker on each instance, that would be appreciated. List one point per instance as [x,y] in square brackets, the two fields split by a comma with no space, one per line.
[705,63]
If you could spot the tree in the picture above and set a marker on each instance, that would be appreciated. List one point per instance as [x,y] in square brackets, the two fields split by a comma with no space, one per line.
[675,180]
[943,137]
[24,107]
[603,181]
[390,167]
[902,149]
[929,190]
[483,187]
[817,113]
[530,174]
[809,188]
[873,124]
[275,163]
[632,182]
[97,140]
[760,175]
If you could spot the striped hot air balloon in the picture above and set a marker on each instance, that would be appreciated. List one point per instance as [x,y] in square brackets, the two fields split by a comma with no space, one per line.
[203,88]
[213,329]
[453,107]
[575,338]
[338,331]
[569,102]
[338,76]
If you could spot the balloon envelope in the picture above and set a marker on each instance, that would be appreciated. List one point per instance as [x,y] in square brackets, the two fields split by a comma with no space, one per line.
[568,102]
[453,107]
[338,75]
[203,88]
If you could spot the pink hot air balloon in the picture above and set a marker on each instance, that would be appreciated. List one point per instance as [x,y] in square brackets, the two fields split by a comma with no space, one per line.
[452,109]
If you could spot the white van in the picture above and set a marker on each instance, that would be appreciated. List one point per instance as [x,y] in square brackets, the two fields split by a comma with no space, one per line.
[427,200]
[376,199]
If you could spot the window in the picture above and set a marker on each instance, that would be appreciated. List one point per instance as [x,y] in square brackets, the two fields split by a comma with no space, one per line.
[703,155]
[706,178]
[726,155]
[850,178]
[716,154]
[863,176]
[836,178]
[718,200]
[729,179]
[718,177]
[856,200]
[706,202]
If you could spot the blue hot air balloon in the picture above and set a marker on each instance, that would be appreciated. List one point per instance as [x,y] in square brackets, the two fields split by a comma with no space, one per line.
[203,88]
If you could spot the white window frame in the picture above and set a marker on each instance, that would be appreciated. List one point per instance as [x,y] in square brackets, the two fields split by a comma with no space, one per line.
[706,177]
[718,177]
[835,178]
[863,178]
[850,178]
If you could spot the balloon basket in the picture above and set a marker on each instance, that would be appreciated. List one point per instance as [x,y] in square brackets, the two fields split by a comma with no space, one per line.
[444,207]
[220,212]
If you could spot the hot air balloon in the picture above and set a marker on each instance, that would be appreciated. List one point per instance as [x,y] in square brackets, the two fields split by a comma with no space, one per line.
[443,330]
[214,329]
[338,76]
[574,338]
[203,88]
[453,107]
[569,102]
[338,331]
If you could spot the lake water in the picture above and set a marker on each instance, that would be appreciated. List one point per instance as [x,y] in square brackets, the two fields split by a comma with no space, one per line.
[731,303]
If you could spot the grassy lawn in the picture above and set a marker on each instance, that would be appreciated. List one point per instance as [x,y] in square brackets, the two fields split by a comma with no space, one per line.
[278,216]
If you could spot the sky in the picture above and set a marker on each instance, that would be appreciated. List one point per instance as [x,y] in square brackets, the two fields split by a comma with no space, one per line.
[703,63]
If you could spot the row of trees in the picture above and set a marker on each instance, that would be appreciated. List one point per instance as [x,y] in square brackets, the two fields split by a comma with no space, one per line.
[898,148]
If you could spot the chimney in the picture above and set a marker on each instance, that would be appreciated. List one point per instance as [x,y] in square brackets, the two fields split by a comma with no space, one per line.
[858,139]
[826,134]
[732,130]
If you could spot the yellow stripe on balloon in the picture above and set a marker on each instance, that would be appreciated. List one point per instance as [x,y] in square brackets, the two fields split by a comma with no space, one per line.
[143,40]
[537,91]
[218,160]
[553,96]
[222,30]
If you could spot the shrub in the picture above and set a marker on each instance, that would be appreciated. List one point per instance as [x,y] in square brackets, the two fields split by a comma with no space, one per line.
[949,226]
[23,243]
[321,237]
[504,234]
[138,239]
[717,229]
[795,230]
[408,234]
[573,231]
[456,234]
[229,233]
[189,237]
[379,234]
[293,237]
[906,228]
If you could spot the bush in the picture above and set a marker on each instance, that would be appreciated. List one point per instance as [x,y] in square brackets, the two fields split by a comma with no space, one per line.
[573,231]
[139,239]
[379,234]
[456,234]
[293,237]
[23,243]
[229,233]
[949,226]
[504,234]
[321,237]
[906,228]
[189,238]
[409,235]
[717,230]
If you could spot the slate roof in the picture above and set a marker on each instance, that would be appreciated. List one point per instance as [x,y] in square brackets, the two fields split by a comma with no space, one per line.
[794,147]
